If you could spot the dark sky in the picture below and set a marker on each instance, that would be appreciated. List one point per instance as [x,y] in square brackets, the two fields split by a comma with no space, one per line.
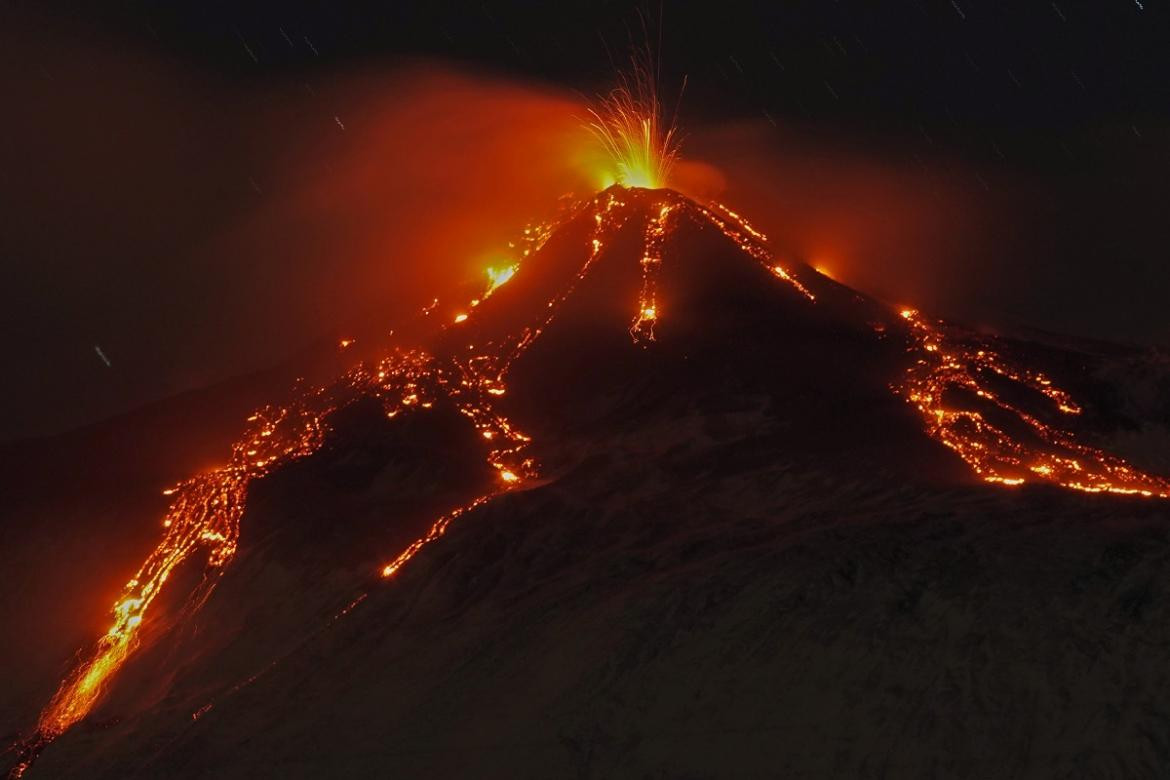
[167,165]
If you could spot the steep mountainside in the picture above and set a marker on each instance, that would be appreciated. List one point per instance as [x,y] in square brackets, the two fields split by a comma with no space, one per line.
[718,529]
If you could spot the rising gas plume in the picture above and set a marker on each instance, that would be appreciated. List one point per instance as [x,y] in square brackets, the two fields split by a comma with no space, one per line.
[304,208]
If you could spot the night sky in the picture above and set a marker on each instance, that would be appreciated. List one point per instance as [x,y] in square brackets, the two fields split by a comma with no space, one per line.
[198,190]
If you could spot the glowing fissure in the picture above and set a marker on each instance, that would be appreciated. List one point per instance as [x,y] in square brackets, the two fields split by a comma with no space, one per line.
[945,365]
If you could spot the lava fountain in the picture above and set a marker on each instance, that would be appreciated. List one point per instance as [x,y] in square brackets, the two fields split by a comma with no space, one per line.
[628,124]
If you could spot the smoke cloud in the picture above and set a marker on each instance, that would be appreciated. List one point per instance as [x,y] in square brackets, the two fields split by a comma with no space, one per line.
[191,229]
[166,229]
[895,228]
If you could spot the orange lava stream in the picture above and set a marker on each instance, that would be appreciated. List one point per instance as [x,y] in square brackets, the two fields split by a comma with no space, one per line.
[751,241]
[608,216]
[655,235]
[205,514]
[946,365]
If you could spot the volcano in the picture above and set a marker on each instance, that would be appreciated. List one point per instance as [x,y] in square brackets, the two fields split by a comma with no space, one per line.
[657,503]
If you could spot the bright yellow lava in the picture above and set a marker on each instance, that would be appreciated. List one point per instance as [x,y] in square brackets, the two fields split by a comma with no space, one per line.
[497,277]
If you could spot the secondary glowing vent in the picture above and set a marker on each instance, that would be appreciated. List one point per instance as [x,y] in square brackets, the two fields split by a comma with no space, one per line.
[499,276]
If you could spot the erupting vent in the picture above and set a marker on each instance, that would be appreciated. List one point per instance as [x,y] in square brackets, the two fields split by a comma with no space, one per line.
[629,126]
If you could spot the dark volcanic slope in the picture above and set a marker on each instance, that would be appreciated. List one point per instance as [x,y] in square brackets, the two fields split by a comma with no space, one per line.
[690,600]
[743,558]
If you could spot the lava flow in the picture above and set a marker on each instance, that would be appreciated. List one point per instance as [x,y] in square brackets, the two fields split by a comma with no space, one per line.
[204,517]
[947,367]
[205,513]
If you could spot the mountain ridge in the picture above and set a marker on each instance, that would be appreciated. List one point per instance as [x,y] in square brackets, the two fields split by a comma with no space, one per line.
[736,381]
